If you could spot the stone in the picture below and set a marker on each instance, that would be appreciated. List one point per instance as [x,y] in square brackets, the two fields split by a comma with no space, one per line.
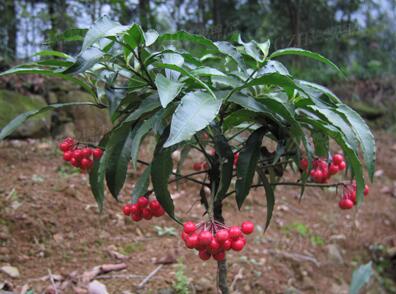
[13,104]
[96,287]
[335,254]
[11,271]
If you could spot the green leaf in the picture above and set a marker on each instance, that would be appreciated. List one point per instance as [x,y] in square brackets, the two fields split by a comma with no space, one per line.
[69,36]
[321,142]
[269,195]
[251,49]
[102,28]
[85,61]
[360,277]
[167,89]
[118,157]
[308,87]
[161,168]
[150,37]
[195,111]
[21,118]
[52,53]
[238,117]
[47,72]
[366,138]
[184,36]
[264,47]
[246,166]
[148,104]
[207,71]
[273,66]
[226,157]
[305,53]
[174,59]
[251,104]
[134,37]
[141,186]
[228,49]
[274,79]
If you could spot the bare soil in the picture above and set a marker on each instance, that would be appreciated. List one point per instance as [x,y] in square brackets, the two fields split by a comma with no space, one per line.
[49,222]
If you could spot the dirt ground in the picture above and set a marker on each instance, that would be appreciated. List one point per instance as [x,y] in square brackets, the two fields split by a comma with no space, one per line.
[49,224]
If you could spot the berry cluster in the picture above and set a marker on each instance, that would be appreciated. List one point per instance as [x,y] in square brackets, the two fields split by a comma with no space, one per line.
[81,157]
[348,199]
[143,209]
[214,238]
[323,170]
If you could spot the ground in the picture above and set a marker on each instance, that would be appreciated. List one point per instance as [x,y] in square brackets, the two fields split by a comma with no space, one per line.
[49,223]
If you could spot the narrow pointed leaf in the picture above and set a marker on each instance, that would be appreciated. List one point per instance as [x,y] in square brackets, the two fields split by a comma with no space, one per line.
[269,195]
[141,186]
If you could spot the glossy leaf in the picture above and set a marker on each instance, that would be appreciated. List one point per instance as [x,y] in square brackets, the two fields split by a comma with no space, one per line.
[141,186]
[360,277]
[85,61]
[185,36]
[167,89]
[269,195]
[228,49]
[195,111]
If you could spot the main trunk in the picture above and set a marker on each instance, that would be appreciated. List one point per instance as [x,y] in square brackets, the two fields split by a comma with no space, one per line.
[221,265]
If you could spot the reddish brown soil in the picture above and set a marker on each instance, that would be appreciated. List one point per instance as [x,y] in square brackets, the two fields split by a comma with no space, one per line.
[49,221]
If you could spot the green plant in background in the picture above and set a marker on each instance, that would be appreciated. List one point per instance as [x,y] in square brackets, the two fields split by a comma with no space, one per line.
[181,280]
[204,99]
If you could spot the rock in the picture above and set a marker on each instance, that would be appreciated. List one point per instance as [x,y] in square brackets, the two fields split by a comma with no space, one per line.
[11,271]
[335,254]
[96,287]
[13,104]
[204,285]
[379,173]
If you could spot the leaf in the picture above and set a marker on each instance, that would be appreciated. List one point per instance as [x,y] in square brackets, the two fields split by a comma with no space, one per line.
[226,157]
[264,47]
[195,111]
[269,195]
[321,89]
[174,59]
[69,36]
[228,49]
[306,53]
[141,186]
[115,96]
[134,37]
[321,142]
[167,89]
[251,104]
[150,37]
[21,118]
[238,117]
[366,138]
[185,36]
[251,49]
[103,27]
[246,166]
[207,71]
[85,61]
[118,157]
[148,104]
[161,168]
[40,71]
[273,66]
[274,79]
[360,277]
[52,53]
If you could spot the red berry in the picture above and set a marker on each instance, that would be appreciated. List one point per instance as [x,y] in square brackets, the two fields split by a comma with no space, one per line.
[352,196]
[192,241]
[236,157]
[184,236]
[205,165]
[74,162]
[136,217]
[342,165]
[197,166]
[222,235]
[247,227]
[146,213]
[219,256]
[97,153]
[65,146]
[214,245]
[86,163]
[67,155]
[204,255]
[234,232]
[154,204]
[333,169]
[126,209]
[345,204]
[227,244]
[337,159]
[142,202]
[238,245]
[77,153]
[304,164]
[134,209]
[366,190]
[158,212]
[86,152]
[189,227]
[205,237]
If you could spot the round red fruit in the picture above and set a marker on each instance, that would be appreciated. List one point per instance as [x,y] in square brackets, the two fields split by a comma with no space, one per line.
[158,212]
[238,245]
[247,227]
[219,256]
[74,162]
[304,164]
[78,154]
[205,237]
[86,163]
[146,213]
[87,152]
[134,209]
[97,153]
[184,236]
[205,165]
[337,159]
[222,235]
[333,169]
[154,204]
[65,146]
[204,255]
[142,202]
[345,204]
[192,241]
[197,166]
[227,244]
[189,227]
[136,217]
[366,190]
[126,209]
[214,245]
[234,232]
[342,165]
[68,155]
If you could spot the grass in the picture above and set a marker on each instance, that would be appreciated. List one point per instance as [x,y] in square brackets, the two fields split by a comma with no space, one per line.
[305,232]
